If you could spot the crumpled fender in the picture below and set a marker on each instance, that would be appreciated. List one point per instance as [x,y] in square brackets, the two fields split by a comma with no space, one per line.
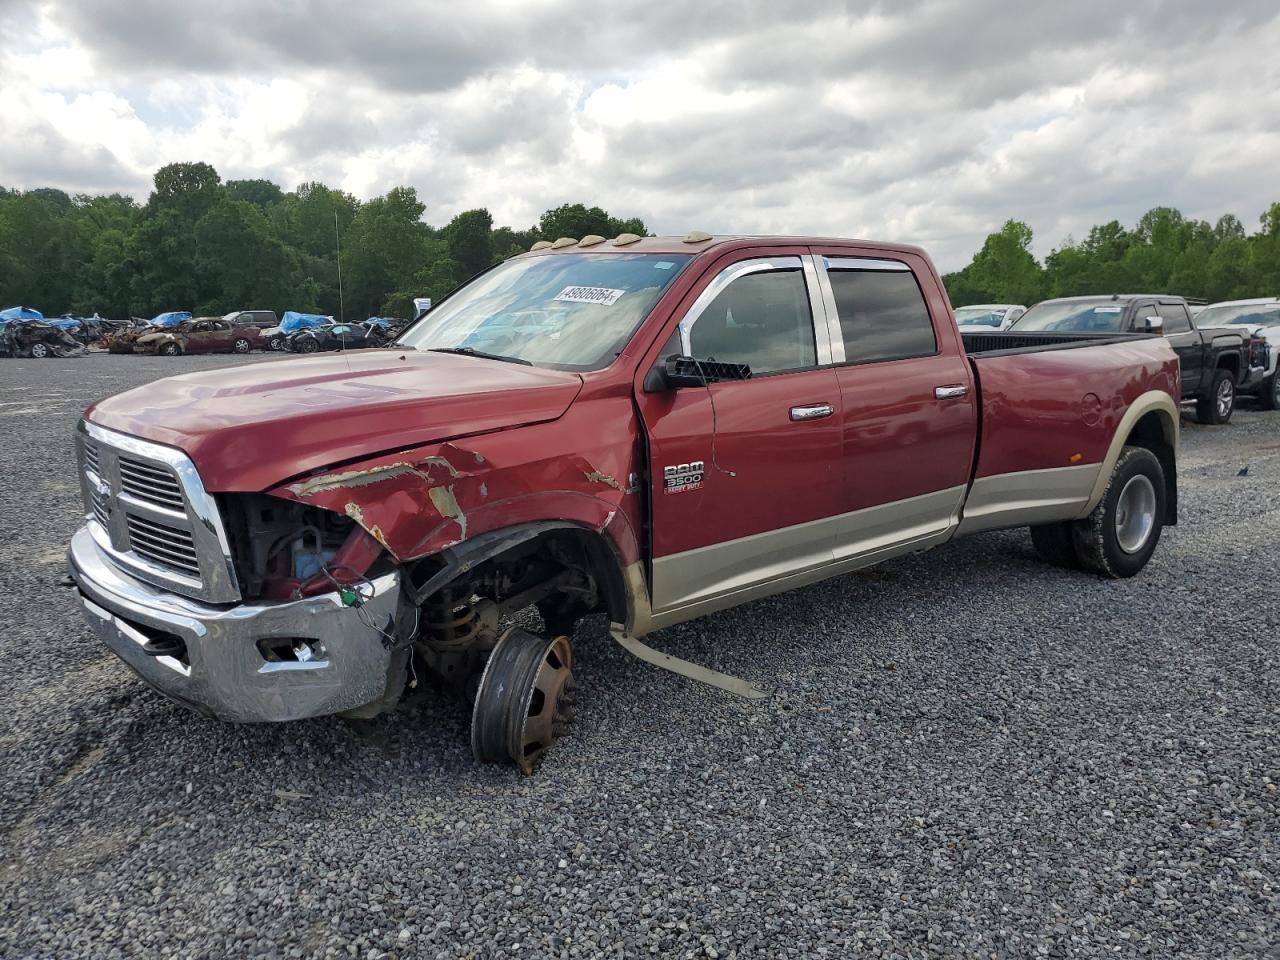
[419,502]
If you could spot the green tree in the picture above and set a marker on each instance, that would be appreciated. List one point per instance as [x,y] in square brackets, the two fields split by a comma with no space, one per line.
[469,237]
[385,247]
[1005,268]
[261,193]
[577,220]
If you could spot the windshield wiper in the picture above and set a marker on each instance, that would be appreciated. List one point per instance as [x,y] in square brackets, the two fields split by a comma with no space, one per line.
[473,352]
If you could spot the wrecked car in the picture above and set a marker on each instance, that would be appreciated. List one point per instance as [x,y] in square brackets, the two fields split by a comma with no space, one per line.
[652,429]
[335,336]
[201,335]
[38,339]
[277,338]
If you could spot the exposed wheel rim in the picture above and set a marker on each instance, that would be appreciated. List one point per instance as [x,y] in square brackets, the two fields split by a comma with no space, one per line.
[242,346]
[39,351]
[169,350]
[1136,513]
[525,700]
[1226,398]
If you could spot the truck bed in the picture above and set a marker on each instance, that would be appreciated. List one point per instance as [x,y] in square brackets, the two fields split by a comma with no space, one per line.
[1052,400]
[1011,342]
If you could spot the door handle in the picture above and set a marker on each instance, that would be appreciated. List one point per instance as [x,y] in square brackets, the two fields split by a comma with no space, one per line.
[950,393]
[813,411]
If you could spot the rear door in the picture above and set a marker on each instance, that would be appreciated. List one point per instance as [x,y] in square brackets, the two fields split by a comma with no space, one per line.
[909,420]
[1186,341]
[745,475]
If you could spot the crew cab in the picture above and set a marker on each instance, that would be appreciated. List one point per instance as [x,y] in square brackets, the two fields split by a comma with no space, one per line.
[1215,363]
[653,429]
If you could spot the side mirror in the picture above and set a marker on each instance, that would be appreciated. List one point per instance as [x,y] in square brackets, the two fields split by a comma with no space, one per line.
[1153,324]
[679,371]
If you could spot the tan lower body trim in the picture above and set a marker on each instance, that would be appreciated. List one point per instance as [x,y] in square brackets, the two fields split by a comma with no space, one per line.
[701,581]
[1027,497]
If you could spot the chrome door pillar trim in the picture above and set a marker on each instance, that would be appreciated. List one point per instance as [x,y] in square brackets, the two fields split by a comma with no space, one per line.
[818,314]
[721,280]
[828,297]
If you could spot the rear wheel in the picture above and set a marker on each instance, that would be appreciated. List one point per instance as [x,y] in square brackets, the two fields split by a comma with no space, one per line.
[1271,391]
[1056,545]
[1217,403]
[1119,536]
[525,701]
[242,345]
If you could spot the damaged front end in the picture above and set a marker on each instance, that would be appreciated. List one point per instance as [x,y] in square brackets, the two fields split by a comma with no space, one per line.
[242,607]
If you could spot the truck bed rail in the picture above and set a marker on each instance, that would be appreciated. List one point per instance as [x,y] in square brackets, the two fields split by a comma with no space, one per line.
[1009,342]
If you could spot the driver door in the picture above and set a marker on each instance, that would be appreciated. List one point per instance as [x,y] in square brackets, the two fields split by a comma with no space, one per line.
[745,473]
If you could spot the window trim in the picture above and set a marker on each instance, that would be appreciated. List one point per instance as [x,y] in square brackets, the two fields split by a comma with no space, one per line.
[801,263]
[868,265]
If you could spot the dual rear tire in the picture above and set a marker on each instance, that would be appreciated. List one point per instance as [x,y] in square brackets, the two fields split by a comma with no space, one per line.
[1119,536]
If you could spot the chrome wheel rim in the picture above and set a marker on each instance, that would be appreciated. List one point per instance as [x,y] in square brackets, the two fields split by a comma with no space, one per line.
[242,346]
[1135,514]
[1226,396]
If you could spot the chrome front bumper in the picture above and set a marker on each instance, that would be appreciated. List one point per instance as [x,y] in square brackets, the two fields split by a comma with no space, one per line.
[223,672]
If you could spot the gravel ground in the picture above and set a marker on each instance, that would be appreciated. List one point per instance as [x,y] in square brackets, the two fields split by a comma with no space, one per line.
[969,753]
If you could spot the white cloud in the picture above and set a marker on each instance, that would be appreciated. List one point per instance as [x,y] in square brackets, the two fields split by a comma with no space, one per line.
[927,122]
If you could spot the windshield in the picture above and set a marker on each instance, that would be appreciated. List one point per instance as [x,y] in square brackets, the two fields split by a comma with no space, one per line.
[1098,316]
[1265,314]
[575,311]
[979,317]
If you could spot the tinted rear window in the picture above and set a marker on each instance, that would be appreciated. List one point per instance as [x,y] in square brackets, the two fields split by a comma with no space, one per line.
[882,315]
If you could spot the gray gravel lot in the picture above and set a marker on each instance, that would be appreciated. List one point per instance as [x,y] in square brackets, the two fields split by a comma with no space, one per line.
[969,753]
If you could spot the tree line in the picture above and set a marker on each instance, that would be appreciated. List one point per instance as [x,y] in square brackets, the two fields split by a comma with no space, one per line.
[202,244]
[210,246]
[1163,253]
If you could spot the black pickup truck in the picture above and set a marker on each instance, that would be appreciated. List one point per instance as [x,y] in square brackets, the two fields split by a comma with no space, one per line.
[1215,362]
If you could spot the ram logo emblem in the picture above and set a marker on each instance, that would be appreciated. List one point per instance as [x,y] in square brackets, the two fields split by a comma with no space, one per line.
[682,477]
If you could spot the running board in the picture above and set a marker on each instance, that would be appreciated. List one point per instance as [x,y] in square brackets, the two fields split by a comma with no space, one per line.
[694,671]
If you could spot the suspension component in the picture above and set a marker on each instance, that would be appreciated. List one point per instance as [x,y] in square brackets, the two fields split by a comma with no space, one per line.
[456,637]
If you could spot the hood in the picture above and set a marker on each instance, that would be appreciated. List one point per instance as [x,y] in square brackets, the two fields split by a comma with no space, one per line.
[154,335]
[252,427]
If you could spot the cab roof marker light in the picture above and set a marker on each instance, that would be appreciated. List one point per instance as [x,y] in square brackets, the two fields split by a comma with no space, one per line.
[697,236]
[563,242]
[590,240]
[541,245]
[625,239]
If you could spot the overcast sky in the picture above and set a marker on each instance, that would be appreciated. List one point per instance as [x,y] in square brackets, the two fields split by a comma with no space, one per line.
[927,122]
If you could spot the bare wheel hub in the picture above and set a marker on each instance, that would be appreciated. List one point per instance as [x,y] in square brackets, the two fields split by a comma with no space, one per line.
[525,701]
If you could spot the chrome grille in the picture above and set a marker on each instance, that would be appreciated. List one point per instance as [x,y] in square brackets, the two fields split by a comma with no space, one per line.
[154,484]
[149,512]
[163,544]
[91,456]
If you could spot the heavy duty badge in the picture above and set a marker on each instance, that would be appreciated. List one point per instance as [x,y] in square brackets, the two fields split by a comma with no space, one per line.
[682,477]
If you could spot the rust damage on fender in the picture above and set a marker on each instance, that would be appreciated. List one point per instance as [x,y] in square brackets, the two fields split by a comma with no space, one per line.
[595,476]
[446,505]
[355,513]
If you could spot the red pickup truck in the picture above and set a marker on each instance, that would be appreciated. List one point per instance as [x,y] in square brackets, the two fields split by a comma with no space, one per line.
[653,429]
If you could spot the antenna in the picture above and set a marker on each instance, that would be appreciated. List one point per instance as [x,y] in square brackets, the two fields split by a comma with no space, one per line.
[337,249]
